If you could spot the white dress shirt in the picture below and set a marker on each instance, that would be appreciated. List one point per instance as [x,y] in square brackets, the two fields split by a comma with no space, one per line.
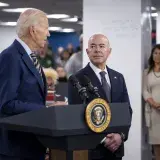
[25,46]
[97,72]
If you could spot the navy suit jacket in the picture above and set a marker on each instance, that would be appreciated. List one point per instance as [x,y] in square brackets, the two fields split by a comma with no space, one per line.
[118,94]
[21,90]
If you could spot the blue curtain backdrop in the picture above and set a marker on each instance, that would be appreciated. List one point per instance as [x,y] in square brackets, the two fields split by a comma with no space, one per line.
[58,39]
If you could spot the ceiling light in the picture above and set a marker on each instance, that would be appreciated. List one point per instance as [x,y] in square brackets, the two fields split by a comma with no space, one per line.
[8,23]
[153,8]
[67,30]
[154,14]
[57,16]
[75,19]
[3,4]
[55,28]
[15,10]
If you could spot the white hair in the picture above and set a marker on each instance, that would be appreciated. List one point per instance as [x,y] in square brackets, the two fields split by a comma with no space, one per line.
[28,18]
[81,37]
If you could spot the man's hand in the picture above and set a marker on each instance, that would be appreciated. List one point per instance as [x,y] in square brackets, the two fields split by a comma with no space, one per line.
[57,103]
[113,141]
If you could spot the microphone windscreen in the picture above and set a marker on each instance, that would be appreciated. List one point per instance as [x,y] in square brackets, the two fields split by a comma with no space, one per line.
[86,79]
[73,79]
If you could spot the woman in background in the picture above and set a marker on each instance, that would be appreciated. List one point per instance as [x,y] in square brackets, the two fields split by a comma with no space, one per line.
[151,95]
[53,98]
[51,78]
[61,74]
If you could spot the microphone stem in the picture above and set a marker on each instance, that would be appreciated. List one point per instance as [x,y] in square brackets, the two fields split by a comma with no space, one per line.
[85,100]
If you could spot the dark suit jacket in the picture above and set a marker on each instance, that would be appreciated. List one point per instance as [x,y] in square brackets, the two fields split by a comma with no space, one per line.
[21,90]
[118,94]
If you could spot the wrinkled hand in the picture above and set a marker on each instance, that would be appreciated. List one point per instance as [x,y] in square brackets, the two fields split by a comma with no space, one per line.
[156,105]
[113,141]
[57,103]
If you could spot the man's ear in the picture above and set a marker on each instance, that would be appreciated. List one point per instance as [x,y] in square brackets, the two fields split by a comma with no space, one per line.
[32,30]
[87,51]
[110,50]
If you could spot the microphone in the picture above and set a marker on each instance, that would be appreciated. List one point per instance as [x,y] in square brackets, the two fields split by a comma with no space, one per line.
[90,87]
[81,90]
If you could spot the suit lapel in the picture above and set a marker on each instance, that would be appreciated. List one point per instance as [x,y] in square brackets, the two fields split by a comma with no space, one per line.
[45,83]
[113,80]
[30,65]
[95,81]
[33,69]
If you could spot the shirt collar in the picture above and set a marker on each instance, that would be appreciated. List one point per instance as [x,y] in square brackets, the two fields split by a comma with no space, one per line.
[24,45]
[96,69]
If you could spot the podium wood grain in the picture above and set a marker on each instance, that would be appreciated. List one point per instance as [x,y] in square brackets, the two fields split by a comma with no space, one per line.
[61,155]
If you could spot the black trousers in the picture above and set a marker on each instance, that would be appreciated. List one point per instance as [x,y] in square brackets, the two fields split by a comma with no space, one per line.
[4,157]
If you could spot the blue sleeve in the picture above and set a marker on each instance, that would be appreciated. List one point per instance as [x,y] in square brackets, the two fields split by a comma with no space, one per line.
[10,79]
[126,99]
[125,95]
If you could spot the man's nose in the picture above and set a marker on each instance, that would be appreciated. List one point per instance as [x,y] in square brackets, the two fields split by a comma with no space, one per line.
[48,34]
[97,49]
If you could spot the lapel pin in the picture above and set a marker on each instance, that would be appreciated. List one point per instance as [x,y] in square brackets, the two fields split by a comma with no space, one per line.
[115,77]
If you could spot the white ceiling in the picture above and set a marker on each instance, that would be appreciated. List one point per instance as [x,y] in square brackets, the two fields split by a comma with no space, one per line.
[70,7]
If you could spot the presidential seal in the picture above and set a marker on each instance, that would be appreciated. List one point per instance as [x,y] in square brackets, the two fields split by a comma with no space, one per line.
[98,115]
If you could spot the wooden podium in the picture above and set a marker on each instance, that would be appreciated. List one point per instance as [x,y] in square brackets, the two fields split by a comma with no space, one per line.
[62,155]
[64,129]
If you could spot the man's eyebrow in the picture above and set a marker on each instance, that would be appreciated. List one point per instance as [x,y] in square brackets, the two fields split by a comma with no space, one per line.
[92,44]
[98,44]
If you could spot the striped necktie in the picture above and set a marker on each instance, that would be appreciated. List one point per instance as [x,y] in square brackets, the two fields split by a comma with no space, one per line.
[36,63]
[105,85]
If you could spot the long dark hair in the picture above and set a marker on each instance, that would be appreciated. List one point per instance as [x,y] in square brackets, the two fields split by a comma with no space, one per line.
[151,61]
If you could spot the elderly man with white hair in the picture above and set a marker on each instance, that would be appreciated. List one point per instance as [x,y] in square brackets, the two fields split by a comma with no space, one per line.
[23,85]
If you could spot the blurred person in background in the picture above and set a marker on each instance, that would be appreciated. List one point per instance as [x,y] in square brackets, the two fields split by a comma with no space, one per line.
[70,49]
[64,58]
[151,95]
[46,57]
[74,64]
[51,78]
[61,74]
[58,55]
[60,51]
[23,85]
